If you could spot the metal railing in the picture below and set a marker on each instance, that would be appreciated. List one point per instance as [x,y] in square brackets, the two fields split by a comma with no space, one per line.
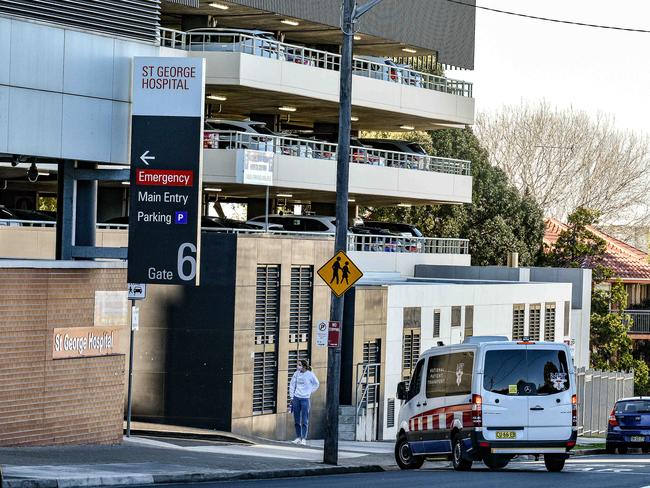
[314,149]
[356,242]
[640,321]
[366,392]
[269,48]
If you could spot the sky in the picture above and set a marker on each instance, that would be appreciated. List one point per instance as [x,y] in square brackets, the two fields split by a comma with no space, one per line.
[519,59]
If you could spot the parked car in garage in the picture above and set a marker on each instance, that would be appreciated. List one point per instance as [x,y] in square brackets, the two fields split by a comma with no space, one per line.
[359,152]
[246,41]
[406,230]
[21,217]
[251,135]
[411,154]
[300,223]
[629,425]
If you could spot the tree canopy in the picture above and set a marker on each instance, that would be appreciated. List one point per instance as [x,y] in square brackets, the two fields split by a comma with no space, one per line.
[499,220]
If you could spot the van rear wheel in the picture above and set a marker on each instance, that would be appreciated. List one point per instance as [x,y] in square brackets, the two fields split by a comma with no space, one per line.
[554,464]
[458,455]
[405,457]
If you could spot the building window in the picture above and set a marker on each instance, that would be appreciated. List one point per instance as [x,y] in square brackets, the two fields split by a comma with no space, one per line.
[267,318]
[549,322]
[300,304]
[455,316]
[567,318]
[410,351]
[264,390]
[371,360]
[412,317]
[518,320]
[534,321]
[300,318]
[436,323]
[469,320]
[390,413]
[267,304]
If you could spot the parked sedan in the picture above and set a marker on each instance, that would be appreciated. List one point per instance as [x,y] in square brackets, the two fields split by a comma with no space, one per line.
[629,425]
[404,154]
[18,217]
[255,42]
[253,135]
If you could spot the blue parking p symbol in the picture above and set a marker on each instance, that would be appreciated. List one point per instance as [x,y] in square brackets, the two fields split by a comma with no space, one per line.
[180,217]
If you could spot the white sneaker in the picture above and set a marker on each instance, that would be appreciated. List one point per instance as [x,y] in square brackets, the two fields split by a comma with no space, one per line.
[303,442]
[297,440]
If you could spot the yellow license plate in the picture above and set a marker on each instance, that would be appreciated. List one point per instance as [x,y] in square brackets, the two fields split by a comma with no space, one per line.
[506,434]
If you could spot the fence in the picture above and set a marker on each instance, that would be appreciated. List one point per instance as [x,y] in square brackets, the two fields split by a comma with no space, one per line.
[223,41]
[310,148]
[597,392]
[640,321]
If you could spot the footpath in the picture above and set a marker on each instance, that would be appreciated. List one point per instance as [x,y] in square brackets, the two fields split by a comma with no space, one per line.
[190,455]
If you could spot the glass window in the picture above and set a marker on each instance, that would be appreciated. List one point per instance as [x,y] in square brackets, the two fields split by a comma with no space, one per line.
[436,323]
[548,371]
[436,376]
[416,381]
[311,225]
[469,320]
[412,317]
[633,406]
[526,372]
[459,373]
[455,316]
[503,369]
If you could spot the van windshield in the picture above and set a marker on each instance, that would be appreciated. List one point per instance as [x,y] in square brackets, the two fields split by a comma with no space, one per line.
[526,372]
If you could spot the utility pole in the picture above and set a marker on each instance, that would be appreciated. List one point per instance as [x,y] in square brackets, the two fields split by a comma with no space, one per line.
[351,15]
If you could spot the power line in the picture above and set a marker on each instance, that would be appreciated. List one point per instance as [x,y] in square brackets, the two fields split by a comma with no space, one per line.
[546,19]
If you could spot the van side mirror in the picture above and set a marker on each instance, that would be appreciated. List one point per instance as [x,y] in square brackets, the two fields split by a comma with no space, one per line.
[402,394]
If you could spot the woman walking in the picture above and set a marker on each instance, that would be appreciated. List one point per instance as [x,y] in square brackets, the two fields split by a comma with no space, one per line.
[303,384]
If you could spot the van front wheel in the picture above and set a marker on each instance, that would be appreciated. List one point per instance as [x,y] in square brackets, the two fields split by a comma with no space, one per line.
[405,457]
[554,464]
[458,455]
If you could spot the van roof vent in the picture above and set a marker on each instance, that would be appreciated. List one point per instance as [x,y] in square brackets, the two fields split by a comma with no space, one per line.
[480,339]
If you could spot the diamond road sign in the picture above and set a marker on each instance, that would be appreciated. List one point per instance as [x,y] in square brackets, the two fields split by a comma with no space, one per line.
[340,273]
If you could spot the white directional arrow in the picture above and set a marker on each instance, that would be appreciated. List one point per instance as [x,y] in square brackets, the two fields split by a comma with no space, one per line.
[145,156]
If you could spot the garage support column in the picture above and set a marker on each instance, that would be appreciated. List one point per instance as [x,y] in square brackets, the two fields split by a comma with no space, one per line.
[86,209]
[65,215]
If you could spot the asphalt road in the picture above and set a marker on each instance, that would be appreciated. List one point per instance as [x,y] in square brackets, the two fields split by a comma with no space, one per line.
[631,471]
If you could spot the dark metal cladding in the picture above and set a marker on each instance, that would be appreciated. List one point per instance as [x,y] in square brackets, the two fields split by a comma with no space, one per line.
[135,19]
[438,25]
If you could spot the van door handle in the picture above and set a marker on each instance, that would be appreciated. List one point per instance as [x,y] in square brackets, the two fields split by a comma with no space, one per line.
[424,404]
[418,405]
[537,408]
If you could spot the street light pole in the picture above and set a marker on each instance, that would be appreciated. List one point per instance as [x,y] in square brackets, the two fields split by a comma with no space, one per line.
[350,16]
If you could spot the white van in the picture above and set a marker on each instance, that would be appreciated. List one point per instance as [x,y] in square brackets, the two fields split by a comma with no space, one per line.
[489,399]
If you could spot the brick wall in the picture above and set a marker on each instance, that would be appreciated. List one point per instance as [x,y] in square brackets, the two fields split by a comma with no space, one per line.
[67,401]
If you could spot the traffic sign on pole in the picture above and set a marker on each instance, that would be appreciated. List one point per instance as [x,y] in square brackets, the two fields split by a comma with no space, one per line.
[340,273]
[166,170]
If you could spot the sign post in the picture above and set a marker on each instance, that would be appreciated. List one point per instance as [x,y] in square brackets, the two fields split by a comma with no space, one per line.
[166,180]
[166,170]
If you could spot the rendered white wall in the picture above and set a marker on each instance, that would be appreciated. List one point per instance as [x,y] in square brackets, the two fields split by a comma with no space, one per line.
[492,316]
[65,93]
[308,81]
[403,263]
[219,166]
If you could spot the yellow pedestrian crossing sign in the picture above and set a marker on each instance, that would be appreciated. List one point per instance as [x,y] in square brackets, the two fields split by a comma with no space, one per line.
[340,273]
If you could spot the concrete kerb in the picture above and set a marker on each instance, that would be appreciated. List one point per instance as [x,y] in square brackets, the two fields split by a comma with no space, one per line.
[188,477]
[143,479]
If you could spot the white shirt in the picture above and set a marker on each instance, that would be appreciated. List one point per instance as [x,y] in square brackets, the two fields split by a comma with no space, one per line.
[303,384]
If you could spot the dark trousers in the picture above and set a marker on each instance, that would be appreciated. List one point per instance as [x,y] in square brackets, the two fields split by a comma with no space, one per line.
[301,416]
